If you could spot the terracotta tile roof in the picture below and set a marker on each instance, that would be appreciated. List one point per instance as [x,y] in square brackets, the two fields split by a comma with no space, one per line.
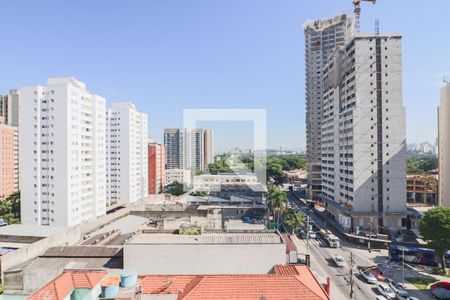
[290,283]
[65,283]
[305,276]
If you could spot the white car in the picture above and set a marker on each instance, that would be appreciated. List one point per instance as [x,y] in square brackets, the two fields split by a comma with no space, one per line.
[339,261]
[380,298]
[385,290]
[312,234]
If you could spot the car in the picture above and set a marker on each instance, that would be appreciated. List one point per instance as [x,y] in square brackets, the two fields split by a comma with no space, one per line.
[412,298]
[306,209]
[377,273]
[398,289]
[441,290]
[368,277]
[380,298]
[339,261]
[384,289]
[312,234]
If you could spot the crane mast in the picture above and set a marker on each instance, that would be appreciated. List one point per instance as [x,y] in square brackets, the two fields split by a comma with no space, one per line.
[357,4]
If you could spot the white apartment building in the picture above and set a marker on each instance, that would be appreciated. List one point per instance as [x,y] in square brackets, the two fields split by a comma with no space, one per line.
[363,134]
[321,38]
[444,146]
[62,153]
[178,175]
[127,154]
[188,148]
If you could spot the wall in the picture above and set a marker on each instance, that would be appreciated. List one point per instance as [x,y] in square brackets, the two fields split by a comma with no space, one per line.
[204,259]
[67,237]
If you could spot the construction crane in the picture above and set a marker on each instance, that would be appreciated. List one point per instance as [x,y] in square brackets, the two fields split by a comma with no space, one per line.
[357,4]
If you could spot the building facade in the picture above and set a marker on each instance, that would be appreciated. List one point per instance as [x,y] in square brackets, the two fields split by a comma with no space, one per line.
[9,108]
[62,153]
[127,154]
[321,38]
[363,134]
[189,149]
[156,168]
[9,157]
[422,189]
[178,175]
[444,146]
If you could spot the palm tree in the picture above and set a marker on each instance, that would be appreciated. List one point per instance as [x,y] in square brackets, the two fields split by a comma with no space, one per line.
[276,201]
[293,219]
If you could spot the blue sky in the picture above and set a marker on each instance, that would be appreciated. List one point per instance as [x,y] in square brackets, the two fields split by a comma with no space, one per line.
[169,55]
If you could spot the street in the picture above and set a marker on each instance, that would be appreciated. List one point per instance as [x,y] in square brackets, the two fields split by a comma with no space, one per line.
[323,265]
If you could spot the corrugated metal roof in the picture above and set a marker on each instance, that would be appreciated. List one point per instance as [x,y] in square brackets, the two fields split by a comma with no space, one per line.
[207,238]
[82,251]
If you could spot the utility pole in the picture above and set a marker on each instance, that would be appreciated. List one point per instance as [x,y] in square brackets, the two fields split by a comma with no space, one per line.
[351,275]
[403,266]
[370,235]
[307,257]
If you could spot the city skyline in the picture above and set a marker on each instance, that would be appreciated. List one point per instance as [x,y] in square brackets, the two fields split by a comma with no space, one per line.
[249,56]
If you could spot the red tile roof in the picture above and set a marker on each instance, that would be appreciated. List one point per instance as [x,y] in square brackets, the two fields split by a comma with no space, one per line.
[304,275]
[65,283]
[288,283]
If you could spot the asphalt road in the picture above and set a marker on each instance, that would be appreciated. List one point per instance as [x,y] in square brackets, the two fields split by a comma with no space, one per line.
[322,263]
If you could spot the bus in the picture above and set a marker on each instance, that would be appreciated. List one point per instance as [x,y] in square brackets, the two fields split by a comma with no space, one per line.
[416,255]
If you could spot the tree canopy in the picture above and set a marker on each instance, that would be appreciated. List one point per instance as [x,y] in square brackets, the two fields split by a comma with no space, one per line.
[293,219]
[276,199]
[435,228]
[421,163]
[275,165]
[10,208]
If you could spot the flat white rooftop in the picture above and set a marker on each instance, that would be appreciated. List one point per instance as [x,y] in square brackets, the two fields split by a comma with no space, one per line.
[30,230]
[205,239]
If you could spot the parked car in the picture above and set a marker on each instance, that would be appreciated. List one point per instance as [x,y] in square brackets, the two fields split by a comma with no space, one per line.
[339,261]
[441,290]
[412,298]
[368,277]
[398,289]
[377,273]
[306,209]
[384,289]
[380,298]
[312,234]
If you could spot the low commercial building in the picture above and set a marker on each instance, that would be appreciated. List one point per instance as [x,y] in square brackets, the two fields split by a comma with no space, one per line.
[422,189]
[228,185]
[209,253]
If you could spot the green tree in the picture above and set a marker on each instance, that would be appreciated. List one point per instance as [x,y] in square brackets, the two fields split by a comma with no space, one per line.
[276,202]
[435,228]
[175,189]
[421,163]
[293,219]
[275,170]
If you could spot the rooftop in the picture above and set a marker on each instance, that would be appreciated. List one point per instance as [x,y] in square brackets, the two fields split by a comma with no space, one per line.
[30,230]
[63,285]
[267,286]
[206,238]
